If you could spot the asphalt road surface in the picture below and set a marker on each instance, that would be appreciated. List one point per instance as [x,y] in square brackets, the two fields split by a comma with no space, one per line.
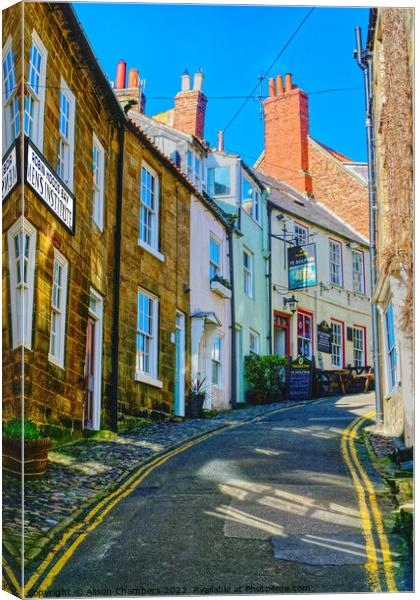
[269,506]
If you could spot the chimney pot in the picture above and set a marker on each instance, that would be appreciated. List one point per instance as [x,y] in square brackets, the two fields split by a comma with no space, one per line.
[271,88]
[133,78]
[279,84]
[198,80]
[185,81]
[121,75]
[220,141]
[288,82]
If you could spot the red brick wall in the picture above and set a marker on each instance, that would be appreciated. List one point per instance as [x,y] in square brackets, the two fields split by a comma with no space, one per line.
[190,112]
[338,190]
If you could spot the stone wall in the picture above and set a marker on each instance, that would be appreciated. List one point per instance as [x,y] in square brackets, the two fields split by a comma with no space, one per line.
[164,279]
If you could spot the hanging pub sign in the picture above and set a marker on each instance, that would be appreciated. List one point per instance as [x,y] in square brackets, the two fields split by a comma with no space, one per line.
[48,186]
[324,337]
[299,380]
[301,266]
[10,170]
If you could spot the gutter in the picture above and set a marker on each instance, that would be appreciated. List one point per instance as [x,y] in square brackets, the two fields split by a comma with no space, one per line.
[364,60]
[117,277]
[270,281]
[233,386]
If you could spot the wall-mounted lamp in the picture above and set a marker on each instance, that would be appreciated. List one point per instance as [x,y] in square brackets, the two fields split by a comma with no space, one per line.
[291,302]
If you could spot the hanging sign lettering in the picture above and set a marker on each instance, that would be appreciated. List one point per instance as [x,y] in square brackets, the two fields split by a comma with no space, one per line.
[301,266]
[10,171]
[49,187]
[324,337]
[299,381]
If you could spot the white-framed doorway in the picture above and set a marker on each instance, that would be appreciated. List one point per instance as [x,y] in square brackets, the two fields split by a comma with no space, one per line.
[179,391]
[93,363]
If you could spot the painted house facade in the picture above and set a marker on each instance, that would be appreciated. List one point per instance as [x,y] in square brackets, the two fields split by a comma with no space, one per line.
[340,294]
[240,195]
[210,289]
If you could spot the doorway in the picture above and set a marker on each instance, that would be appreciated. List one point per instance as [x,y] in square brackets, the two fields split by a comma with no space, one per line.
[93,363]
[179,393]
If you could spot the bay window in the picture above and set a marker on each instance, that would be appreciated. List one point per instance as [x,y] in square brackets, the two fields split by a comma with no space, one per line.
[21,244]
[251,200]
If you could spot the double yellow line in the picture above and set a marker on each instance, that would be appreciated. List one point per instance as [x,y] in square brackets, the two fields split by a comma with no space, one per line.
[44,576]
[368,505]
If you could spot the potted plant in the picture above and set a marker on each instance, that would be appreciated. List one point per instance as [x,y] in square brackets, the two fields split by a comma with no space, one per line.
[265,377]
[34,461]
[197,397]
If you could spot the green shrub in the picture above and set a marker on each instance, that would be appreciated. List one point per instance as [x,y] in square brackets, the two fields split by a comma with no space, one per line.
[30,430]
[263,374]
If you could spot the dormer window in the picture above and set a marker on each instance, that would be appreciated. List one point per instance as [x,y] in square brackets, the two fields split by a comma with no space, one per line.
[218,181]
[251,200]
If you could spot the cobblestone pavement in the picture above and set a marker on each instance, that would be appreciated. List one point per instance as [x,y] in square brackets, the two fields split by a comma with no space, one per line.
[79,471]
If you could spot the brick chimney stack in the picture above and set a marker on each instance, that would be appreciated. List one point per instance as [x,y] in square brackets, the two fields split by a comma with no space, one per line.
[286,129]
[131,93]
[190,105]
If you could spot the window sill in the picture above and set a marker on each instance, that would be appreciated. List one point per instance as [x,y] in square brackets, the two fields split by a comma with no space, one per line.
[152,251]
[144,378]
[55,362]
[221,290]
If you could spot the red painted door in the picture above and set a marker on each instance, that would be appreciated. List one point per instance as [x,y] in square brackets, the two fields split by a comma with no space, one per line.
[89,373]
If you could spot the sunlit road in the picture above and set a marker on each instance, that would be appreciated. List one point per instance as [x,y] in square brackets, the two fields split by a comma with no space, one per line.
[266,507]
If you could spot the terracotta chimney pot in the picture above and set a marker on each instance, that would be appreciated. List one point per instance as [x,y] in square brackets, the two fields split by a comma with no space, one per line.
[121,75]
[288,82]
[271,88]
[279,85]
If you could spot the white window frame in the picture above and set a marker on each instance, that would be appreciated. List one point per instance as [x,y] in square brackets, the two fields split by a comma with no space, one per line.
[38,98]
[361,289]
[254,348]
[150,377]
[256,200]
[337,358]
[213,191]
[363,349]
[66,143]
[248,273]
[98,183]
[301,234]
[24,336]
[391,386]
[61,310]
[10,119]
[332,263]
[218,362]
[153,248]
[217,266]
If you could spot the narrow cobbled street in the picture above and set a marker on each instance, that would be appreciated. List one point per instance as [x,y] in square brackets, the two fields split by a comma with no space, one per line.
[248,509]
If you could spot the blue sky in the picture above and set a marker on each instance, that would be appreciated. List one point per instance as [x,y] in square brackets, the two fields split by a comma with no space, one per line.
[233,45]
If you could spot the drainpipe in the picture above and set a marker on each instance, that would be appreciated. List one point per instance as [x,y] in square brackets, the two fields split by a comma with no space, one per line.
[232,319]
[270,281]
[364,60]
[117,276]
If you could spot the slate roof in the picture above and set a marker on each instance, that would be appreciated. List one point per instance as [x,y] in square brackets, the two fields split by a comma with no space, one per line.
[289,200]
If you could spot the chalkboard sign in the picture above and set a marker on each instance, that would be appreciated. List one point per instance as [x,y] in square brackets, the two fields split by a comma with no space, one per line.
[324,337]
[299,381]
